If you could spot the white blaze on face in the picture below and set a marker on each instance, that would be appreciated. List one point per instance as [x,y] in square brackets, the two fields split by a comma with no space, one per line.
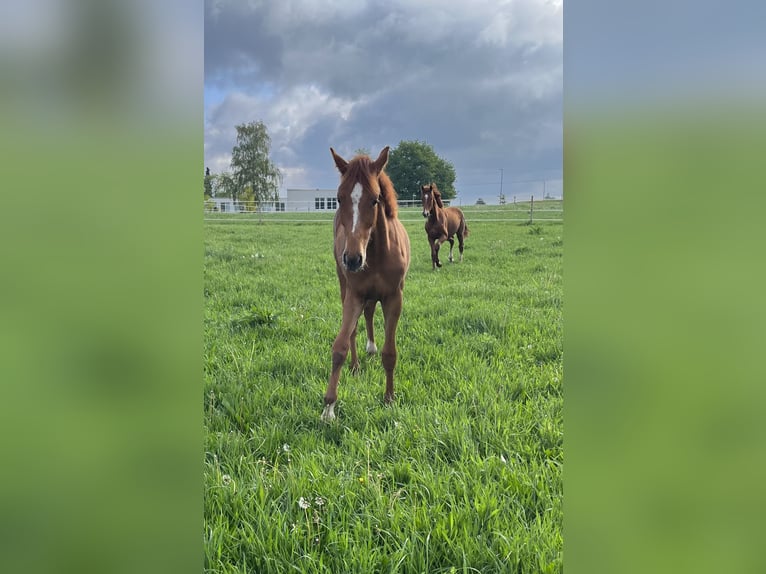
[356,195]
[425,211]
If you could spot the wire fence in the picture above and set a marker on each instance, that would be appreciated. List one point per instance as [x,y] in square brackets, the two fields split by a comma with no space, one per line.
[531,211]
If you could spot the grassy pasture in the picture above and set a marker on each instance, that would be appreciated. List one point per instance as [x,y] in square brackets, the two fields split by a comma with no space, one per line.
[463,473]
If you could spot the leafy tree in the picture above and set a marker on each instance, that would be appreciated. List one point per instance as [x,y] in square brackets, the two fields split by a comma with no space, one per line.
[223,185]
[413,163]
[247,197]
[251,165]
[208,184]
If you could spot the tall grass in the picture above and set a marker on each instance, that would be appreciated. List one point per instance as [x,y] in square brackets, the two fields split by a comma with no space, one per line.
[463,473]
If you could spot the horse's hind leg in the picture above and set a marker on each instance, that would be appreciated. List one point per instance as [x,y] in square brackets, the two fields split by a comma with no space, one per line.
[460,243]
[451,245]
[369,313]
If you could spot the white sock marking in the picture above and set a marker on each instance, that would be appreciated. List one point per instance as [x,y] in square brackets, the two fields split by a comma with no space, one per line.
[328,413]
[356,195]
[371,348]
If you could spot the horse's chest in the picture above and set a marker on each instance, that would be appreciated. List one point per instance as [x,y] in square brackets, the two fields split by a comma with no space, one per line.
[435,226]
[375,286]
[436,230]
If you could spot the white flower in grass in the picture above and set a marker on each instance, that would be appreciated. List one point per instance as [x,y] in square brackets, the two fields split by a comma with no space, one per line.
[303,503]
[286,447]
[225,479]
[319,501]
[502,459]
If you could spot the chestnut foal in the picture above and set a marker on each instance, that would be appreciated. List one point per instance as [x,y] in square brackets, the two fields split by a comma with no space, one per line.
[372,255]
[442,224]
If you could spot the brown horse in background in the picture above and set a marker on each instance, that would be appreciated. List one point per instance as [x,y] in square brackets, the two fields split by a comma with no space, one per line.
[443,223]
[372,255]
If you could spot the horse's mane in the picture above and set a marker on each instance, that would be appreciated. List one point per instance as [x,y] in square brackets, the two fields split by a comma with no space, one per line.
[360,168]
[389,194]
[436,193]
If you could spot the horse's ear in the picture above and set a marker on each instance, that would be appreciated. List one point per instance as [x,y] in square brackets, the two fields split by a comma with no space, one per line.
[340,163]
[381,162]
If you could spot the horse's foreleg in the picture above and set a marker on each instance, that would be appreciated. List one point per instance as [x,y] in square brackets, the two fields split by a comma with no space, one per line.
[369,313]
[392,308]
[435,253]
[352,341]
[352,345]
[352,309]
[451,245]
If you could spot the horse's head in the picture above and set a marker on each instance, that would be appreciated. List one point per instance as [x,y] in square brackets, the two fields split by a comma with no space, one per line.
[429,194]
[360,203]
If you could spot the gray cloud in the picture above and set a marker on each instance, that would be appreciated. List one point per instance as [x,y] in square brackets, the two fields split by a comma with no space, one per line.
[481,82]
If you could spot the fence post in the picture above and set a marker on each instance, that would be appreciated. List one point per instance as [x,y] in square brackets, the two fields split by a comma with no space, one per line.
[531,207]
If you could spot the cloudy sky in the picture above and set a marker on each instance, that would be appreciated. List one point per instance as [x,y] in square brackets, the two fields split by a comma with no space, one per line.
[480,81]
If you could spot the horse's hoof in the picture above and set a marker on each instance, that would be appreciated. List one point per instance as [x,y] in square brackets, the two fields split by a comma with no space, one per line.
[388,399]
[371,348]
[328,414]
[438,263]
[354,368]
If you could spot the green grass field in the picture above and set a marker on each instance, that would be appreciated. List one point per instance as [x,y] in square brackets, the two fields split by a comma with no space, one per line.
[462,474]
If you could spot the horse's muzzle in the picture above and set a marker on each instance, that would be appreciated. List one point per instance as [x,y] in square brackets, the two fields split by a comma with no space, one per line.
[425,214]
[352,262]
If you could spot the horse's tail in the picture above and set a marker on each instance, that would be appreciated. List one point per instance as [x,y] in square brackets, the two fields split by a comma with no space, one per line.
[465,228]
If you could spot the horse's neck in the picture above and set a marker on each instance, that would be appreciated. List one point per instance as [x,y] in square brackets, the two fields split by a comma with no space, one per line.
[435,213]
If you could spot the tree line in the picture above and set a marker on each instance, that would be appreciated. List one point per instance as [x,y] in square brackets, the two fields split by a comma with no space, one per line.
[255,178]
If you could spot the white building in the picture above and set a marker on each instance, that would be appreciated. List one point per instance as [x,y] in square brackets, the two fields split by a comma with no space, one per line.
[223,204]
[311,199]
